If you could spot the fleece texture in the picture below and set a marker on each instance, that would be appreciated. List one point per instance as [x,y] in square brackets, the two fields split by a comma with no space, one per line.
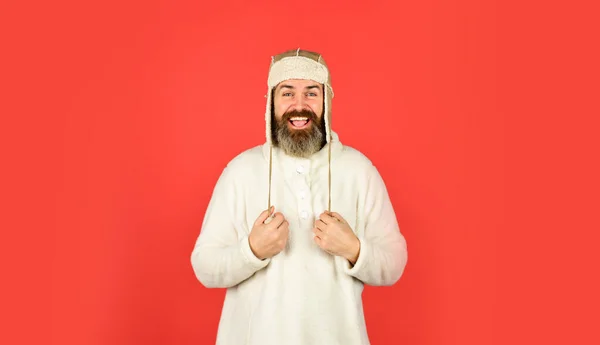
[303,295]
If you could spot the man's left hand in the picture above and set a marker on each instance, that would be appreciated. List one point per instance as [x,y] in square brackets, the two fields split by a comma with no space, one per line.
[334,235]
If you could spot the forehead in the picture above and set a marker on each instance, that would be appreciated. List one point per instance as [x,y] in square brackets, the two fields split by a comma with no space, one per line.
[298,83]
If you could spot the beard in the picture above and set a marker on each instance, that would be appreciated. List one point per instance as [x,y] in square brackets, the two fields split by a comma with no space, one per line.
[299,142]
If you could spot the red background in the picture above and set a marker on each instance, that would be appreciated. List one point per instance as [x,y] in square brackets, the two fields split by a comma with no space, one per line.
[118,117]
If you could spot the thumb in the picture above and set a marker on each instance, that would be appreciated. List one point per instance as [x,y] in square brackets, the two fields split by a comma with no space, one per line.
[264,215]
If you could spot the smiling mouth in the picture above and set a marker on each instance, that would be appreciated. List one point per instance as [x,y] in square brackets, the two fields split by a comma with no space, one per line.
[299,122]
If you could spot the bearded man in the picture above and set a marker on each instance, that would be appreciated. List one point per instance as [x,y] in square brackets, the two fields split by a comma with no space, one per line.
[295,270]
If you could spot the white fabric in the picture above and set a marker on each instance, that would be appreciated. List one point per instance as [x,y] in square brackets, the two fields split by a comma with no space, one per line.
[297,67]
[302,296]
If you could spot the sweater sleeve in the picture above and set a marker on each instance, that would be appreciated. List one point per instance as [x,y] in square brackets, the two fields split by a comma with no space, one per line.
[221,258]
[383,252]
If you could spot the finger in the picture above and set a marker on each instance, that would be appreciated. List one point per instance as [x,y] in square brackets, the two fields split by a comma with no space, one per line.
[323,236]
[320,225]
[321,242]
[317,240]
[263,217]
[338,217]
[318,231]
[326,218]
[283,224]
[277,220]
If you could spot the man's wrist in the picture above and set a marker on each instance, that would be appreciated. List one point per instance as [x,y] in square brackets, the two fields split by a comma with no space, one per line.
[352,257]
[253,250]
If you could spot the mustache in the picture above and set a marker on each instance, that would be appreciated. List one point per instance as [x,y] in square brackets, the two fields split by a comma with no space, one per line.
[303,113]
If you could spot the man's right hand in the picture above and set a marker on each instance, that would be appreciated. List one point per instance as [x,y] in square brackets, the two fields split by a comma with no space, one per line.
[267,240]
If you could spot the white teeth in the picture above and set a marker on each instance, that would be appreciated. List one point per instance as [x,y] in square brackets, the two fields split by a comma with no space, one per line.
[299,118]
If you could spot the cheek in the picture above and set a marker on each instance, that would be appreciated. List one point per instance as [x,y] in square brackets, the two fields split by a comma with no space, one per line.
[282,104]
[317,106]
[280,110]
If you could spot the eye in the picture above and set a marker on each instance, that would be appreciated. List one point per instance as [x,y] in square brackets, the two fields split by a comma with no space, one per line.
[312,94]
[286,94]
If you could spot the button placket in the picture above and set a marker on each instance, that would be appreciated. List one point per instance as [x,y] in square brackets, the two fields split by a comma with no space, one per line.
[304,214]
[304,209]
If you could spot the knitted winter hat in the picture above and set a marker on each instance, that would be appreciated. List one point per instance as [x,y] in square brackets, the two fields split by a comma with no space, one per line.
[299,64]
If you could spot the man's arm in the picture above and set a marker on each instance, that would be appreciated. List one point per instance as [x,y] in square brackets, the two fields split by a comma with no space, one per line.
[383,252]
[220,259]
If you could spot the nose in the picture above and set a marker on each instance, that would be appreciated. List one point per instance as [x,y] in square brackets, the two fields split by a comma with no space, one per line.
[299,103]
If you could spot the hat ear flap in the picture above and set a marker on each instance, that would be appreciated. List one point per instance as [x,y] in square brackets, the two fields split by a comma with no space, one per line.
[328,95]
[268,115]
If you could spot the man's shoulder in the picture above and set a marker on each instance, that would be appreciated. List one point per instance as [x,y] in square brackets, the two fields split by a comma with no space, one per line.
[355,158]
[357,163]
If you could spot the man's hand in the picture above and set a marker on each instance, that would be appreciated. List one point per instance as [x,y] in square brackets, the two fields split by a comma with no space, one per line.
[333,234]
[269,234]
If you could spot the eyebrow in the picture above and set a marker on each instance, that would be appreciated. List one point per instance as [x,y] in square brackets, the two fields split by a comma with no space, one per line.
[291,87]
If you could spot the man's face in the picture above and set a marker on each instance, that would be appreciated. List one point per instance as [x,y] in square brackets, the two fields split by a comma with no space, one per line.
[299,127]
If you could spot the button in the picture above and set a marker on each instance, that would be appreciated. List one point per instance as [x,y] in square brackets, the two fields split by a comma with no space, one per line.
[302,195]
[304,215]
[300,169]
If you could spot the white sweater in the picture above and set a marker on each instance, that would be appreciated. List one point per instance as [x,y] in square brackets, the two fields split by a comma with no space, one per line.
[303,295]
